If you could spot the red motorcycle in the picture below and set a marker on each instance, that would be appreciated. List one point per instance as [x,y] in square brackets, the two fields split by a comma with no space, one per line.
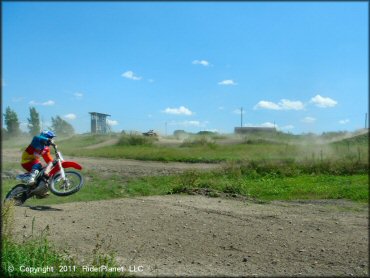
[59,181]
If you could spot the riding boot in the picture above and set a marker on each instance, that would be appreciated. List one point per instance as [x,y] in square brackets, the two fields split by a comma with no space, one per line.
[32,177]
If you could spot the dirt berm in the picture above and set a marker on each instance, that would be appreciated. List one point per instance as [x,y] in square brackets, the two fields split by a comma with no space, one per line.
[178,235]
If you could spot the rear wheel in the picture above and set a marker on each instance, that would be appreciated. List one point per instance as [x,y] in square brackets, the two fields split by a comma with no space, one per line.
[70,185]
[18,194]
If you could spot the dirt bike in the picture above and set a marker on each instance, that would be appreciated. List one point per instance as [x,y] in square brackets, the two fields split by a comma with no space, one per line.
[58,181]
[150,133]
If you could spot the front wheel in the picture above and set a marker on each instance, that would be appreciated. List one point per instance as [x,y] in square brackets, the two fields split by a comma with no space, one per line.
[18,194]
[72,183]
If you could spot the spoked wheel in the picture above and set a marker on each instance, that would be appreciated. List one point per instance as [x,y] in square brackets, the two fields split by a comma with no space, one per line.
[70,185]
[18,194]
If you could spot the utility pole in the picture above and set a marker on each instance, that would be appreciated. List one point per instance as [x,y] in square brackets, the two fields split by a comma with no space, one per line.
[365,120]
[165,128]
[241,116]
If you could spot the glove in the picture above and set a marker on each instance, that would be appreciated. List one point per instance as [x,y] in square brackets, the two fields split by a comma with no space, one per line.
[51,142]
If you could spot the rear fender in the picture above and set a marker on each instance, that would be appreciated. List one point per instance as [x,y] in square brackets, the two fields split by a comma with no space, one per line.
[65,164]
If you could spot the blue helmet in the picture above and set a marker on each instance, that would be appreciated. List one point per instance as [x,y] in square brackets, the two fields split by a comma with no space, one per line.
[48,134]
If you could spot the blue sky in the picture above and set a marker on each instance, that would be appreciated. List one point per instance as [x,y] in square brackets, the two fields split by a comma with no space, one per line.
[302,66]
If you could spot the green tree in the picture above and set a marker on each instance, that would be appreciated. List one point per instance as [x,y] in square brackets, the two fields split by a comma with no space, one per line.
[11,122]
[34,122]
[61,127]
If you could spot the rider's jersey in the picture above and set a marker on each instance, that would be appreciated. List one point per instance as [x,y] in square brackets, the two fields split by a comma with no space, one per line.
[36,149]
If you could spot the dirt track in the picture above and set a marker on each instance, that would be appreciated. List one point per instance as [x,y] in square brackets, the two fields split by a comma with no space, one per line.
[124,167]
[198,236]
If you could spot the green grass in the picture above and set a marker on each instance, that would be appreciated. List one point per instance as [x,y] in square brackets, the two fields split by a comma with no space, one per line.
[206,149]
[95,188]
[135,140]
[264,181]
[213,153]
[35,256]
[265,188]
[362,139]
[256,169]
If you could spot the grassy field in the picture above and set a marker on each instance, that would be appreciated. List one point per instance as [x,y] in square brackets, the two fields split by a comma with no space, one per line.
[256,180]
[213,149]
[257,169]
[207,149]
[280,167]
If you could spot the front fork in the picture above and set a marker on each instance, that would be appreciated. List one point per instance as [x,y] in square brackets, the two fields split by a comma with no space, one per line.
[62,173]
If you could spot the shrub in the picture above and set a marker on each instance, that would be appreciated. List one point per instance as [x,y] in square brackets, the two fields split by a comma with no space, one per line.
[133,139]
[291,168]
[199,141]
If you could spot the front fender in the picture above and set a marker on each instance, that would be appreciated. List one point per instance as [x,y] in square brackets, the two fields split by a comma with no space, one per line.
[65,164]
[71,164]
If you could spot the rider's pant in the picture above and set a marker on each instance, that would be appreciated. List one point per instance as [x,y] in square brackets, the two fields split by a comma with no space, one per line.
[32,165]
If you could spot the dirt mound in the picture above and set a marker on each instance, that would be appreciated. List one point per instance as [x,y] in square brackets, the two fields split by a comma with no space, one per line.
[103,144]
[197,235]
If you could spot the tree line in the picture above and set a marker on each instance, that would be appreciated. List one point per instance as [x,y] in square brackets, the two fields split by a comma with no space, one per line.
[12,124]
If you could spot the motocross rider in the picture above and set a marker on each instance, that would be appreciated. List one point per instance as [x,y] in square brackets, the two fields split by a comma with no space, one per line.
[39,147]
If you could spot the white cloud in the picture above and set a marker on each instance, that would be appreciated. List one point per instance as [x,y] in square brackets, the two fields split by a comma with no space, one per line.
[112,122]
[78,95]
[131,75]
[211,130]
[182,110]
[201,62]
[323,102]
[283,104]
[286,104]
[221,108]
[193,123]
[190,123]
[268,124]
[308,120]
[70,116]
[287,127]
[151,80]
[343,122]
[264,104]
[227,82]
[46,103]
